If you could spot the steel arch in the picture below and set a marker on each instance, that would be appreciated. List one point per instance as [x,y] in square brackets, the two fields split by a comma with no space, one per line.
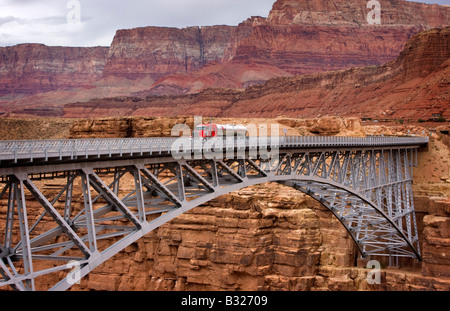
[133,237]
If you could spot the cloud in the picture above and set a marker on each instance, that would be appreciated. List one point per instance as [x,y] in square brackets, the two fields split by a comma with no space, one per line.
[7,19]
[45,21]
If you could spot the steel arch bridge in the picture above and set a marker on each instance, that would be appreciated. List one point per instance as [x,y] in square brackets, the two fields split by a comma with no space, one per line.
[107,193]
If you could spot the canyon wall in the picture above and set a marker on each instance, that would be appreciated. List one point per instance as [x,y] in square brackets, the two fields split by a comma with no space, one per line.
[414,86]
[304,37]
[298,37]
[341,12]
[158,51]
[33,68]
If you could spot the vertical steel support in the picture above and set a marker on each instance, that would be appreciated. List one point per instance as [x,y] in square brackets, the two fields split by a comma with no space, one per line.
[180,182]
[10,216]
[88,210]
[405,187]
[116,182]
[139,193]
[242,168]
[344,168]
[214,173]
[398,199]
[7,249]
[24,233]
[68,202]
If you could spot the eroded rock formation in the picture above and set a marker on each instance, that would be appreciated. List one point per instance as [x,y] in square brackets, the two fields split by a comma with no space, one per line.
[304,37]
[298,37]
[34,68]
[414,86]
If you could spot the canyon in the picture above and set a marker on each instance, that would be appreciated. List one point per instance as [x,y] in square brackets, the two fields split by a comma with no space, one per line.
[414,86]
[265,237]
[297,38]
[311,67]
[271,237]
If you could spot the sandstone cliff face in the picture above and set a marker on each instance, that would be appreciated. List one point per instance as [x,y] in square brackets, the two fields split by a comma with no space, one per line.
[162,126]
[425,53]
[280,51]
[34,68]
[157,51]
[254,239]
[298,37]
[263,238]
[126,127]
[304,49]
[415,86]
[341,12]
[303,37]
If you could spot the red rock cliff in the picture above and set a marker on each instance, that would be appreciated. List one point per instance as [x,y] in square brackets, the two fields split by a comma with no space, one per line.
[33,68]
[158,51]
[298,37]
[344,12]
[303,37]
[414,86]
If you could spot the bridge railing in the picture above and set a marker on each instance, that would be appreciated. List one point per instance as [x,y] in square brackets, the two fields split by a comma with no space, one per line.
[78,148]
[336,141]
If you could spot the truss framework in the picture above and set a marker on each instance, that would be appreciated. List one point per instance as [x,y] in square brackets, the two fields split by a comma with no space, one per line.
[367,189]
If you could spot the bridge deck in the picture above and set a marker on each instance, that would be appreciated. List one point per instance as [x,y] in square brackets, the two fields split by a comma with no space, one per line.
[14,153]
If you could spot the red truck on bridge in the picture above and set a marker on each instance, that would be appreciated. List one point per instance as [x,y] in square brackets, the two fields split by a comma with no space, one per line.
[219,130]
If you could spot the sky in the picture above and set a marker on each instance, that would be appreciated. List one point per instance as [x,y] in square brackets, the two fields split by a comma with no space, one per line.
[94,22]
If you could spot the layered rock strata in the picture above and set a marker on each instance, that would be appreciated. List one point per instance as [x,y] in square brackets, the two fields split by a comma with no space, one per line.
[414,86]
[34,68]
[298,37]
